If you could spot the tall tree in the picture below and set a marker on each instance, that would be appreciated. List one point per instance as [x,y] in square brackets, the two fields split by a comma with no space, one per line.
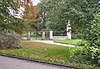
[7,19]
[9,24]
[29,14]
[80,12]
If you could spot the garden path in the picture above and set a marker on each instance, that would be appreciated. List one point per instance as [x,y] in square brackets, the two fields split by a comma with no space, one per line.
[52,42]
[13,63]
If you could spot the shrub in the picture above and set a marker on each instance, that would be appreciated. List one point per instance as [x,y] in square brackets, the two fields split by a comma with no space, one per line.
[91,54]
[83,43]
[9,40]
[87,55]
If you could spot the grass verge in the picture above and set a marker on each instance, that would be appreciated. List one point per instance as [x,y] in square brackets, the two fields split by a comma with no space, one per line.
[42,52]
[72,41]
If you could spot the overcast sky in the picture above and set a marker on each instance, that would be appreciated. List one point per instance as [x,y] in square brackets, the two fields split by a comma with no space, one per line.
[35,2]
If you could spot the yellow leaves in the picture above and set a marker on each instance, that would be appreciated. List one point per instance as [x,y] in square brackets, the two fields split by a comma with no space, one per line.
[30,12]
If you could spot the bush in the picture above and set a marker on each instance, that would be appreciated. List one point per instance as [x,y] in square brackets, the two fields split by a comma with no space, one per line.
[83,43]
[9,40]
[91,54]
[87,55]
[93,35]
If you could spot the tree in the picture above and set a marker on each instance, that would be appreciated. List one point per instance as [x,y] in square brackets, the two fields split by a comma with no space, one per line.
[92,34]
[10,26]
[30,14]
[81,13]
[7,20]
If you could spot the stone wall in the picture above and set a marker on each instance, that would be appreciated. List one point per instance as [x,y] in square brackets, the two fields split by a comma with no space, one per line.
[60,37]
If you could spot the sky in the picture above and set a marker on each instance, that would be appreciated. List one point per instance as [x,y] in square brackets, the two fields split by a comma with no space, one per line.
[35,2]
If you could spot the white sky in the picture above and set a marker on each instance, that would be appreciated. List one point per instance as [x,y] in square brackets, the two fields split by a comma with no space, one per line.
[35,2]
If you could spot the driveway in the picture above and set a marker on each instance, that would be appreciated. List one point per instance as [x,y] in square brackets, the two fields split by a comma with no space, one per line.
[13,63]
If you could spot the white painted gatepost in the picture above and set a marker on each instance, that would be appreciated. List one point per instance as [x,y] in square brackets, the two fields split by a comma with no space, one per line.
[51,35]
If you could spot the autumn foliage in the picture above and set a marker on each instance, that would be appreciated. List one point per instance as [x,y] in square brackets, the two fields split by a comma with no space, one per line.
[30,12]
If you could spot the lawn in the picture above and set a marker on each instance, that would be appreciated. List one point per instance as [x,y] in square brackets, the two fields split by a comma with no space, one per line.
[42,52]
[72,41]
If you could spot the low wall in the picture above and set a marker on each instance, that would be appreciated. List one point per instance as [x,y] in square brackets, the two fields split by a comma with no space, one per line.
[60,37]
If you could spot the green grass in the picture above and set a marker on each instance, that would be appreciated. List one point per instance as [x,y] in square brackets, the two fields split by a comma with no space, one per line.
[43,52]
[40,51]
[72,41]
